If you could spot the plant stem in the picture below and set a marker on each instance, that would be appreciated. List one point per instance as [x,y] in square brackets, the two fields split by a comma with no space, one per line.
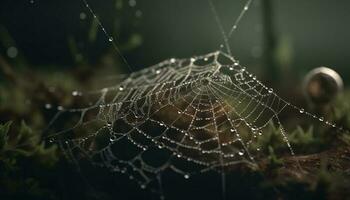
[270,42]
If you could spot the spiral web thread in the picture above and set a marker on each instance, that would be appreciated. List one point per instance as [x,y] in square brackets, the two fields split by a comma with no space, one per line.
[207,111]
[188,116]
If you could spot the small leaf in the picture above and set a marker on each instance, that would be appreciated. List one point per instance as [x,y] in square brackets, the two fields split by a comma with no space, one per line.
[303,137]
[274,161]
[25,141]
[27,135]
[4,129]
[47,156]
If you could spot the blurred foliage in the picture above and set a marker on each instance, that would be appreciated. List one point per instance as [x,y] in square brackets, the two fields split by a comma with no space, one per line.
[22,152]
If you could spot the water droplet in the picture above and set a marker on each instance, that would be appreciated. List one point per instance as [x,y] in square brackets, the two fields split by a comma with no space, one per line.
[59,107]
[173,60]
[302,111]
[121,88]
[138,13]
[132,3]
[143,186]
[232,130]
[110,39]
[12,52]
[241,153]
[158,71]
[270,90]
[321,119]
[179,112]
[82,16]
[186,176]
[112,138]
[231,68]
[52,89]
[246,7]
[75,93]
[48,106]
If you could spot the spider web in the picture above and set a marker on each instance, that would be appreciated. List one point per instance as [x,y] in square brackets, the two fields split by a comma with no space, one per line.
[189,116]
[185,115]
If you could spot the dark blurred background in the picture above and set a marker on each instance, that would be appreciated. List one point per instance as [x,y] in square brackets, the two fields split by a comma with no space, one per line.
[310,33]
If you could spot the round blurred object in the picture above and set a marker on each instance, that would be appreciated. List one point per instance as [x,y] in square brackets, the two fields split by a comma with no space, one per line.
[322,85]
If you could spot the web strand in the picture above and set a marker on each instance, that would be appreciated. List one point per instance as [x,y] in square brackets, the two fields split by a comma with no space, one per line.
[226,37]
[240,17]
[106,33]
[220,26]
